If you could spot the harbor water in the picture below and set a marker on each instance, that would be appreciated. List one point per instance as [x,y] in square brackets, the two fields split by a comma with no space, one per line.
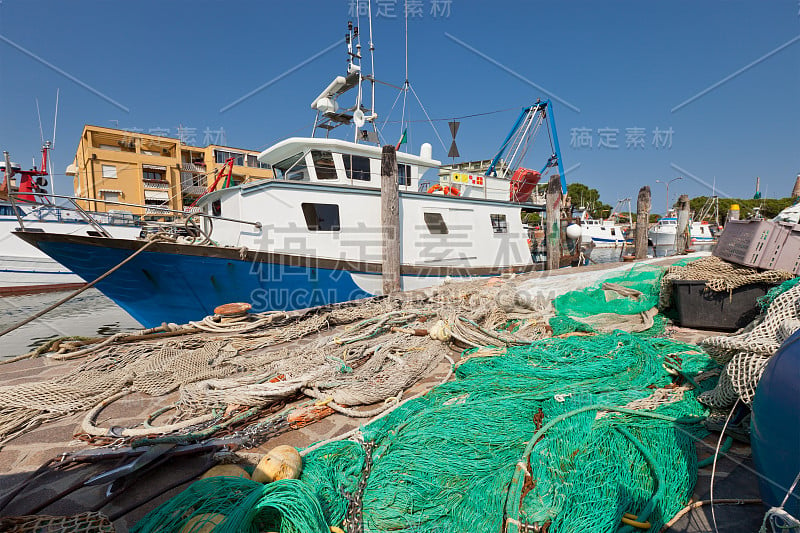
[89,314]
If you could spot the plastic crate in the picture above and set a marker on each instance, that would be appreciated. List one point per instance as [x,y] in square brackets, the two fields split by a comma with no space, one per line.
[744,241]
[784,253]
[773,253]
[718,311]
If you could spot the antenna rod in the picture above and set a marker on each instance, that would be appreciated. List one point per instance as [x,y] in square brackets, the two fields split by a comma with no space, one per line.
[41,132]
[55,122]
[371,57]
[406,8]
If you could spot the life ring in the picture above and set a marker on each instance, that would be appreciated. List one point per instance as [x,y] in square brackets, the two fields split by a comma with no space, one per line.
[448,191]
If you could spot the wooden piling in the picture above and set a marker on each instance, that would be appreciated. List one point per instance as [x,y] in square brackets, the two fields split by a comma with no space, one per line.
[642,222]
[682,233]
[390,220]
[553,233]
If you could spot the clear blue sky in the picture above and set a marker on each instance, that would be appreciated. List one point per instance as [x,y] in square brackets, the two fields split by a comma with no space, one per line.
[624,65]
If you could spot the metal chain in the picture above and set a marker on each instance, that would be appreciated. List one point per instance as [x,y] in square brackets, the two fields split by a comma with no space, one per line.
[353,520]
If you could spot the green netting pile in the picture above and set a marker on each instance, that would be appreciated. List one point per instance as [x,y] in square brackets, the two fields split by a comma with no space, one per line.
[603,425]
[598,306]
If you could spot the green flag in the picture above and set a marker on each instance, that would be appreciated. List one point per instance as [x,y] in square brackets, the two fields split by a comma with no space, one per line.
[402,140]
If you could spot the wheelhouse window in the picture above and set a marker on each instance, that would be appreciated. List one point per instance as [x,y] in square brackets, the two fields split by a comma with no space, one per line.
[499,223]
[356,167]
[292,168]
[435,223]
[323,164]
[321,217]
[403,174]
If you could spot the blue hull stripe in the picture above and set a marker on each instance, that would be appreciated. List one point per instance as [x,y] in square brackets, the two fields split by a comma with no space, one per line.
[159,287]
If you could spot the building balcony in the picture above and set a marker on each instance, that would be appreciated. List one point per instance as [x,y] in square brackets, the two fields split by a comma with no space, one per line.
[191,209]
[197,168]
[155,184]
[193,190]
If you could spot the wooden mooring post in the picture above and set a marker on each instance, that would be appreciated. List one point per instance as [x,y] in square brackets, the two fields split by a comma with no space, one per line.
[642,222]
[390,221]
[682,234]
[553,214]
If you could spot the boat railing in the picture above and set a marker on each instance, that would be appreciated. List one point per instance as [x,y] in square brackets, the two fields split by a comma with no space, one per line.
[87,215]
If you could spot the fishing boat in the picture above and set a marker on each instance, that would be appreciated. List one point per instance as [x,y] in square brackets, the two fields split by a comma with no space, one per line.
[604,233]
[24,268]
[662,234]
[313,235]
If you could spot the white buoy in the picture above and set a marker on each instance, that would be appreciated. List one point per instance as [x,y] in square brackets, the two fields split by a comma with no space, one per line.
[574,232]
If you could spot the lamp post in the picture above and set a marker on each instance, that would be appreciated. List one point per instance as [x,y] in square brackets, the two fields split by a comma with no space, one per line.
[666,183]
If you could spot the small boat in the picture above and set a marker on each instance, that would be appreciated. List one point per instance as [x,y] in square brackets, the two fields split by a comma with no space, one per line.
[24,268]
[604,233]
[662,234]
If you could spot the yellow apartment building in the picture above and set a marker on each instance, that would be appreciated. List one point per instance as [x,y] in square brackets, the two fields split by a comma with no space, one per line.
[153,171]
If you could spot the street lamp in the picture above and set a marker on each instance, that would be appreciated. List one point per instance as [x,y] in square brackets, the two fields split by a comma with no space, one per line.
[666,183]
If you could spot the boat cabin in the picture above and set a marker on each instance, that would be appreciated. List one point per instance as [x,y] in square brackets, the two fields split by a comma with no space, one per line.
[337,162]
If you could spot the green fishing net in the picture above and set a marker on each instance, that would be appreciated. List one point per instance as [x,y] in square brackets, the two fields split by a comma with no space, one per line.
[616,421]
[765,301]
[622,298]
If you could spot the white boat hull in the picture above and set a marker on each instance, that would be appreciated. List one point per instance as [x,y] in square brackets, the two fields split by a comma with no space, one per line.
[23,268]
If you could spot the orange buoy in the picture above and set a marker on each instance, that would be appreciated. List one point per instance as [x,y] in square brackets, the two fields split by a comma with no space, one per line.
[434,188]
[232,309]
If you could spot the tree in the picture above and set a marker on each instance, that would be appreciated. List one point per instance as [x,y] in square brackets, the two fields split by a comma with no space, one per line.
[769,207]
[582,196]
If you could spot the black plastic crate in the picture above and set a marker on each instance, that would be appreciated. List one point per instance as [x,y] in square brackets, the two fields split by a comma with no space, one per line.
[719,311]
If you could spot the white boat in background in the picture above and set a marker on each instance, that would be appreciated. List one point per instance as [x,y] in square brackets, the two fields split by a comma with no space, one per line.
[604,233]
[662,235]
[24,268]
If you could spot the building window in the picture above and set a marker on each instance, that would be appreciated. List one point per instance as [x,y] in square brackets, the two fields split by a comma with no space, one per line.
[499,224]
[220,156]
[321,217]
[111,196]
[109,171]
[435,223]
[356,167]
[323,164]
[152,202]
[253,162]
[403,174]
[153,175]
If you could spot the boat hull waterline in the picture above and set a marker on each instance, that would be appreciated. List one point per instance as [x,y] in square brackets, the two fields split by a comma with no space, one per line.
[181,283]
